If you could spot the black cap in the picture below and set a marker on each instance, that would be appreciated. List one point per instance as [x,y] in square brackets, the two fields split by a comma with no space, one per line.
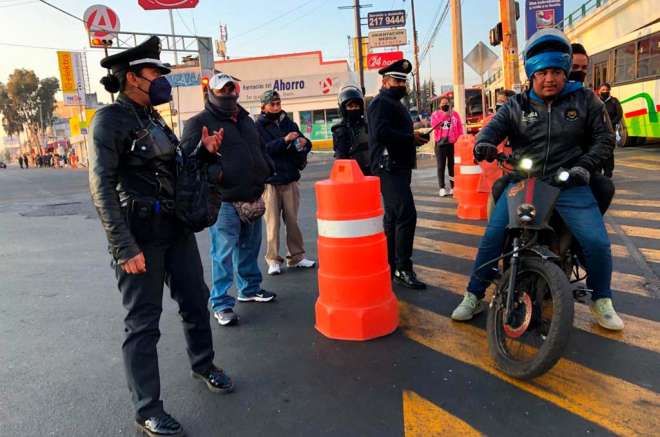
[399,70]
[146,54]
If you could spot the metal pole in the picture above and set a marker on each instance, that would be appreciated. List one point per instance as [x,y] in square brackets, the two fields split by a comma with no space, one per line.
[510,61]
[105,49]
[176,58]
[484,113]
[457,46]
[358,32]
[416,51]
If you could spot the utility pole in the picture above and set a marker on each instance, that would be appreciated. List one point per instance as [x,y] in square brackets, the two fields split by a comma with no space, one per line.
[457,47]
[416,50]
[358,32]
[176,58]
[510,64]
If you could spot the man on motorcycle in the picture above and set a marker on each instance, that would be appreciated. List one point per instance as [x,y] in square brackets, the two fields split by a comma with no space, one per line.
[546,124]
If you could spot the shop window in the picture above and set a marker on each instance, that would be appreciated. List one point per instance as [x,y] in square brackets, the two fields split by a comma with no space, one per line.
[648,56]
[317,124]
[306,123]
[625,63]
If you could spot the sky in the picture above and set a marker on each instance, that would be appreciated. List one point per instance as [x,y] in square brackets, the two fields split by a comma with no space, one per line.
[31,32]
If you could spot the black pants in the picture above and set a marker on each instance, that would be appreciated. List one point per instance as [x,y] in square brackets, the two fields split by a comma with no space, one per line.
[173,260]
[608,166]
[400,217]
[444,156]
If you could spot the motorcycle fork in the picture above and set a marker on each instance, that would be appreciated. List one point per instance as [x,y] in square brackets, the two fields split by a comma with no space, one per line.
[515,261]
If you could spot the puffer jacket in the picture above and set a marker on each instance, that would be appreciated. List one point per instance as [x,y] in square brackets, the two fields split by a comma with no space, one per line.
[572,130]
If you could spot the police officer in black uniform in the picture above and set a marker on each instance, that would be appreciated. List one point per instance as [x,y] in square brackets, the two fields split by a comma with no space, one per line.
[132,179]
[392,153]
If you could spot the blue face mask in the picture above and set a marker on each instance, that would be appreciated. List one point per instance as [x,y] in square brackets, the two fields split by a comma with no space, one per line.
[160,90]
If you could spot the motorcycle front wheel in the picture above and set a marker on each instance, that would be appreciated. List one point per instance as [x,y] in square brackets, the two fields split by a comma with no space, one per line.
[533,339]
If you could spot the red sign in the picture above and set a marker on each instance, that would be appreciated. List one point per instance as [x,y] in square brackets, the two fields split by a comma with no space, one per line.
[101,22]
[376,61]
[167,4]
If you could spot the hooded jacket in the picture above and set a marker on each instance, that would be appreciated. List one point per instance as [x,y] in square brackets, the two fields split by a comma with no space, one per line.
[572,130]
[243,159]
[447,126]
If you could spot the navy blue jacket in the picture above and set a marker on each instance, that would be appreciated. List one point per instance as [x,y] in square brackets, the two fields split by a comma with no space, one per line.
[288,161]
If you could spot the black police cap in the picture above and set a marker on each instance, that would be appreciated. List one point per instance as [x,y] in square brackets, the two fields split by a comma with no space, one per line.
[146,54]
[399,70]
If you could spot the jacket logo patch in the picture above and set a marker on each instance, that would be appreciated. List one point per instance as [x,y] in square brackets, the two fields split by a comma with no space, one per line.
[571,114]
[517,188]
[530,117]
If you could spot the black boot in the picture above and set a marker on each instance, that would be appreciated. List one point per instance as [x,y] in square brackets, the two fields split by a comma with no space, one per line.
[161,425]
[408,278]
[215,380]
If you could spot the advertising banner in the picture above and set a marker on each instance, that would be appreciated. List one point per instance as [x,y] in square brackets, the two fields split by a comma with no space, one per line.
[376,61]
[71,78]
[387,38]
[294,87]
[381,19]
[543,13]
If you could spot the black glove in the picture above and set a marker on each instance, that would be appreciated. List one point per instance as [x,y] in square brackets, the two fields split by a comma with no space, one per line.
[485,151]
[579,175]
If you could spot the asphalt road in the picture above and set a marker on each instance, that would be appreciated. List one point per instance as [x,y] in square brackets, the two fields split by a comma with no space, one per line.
[61,329]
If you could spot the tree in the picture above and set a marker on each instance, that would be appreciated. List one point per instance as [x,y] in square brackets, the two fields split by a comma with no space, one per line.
[11,121]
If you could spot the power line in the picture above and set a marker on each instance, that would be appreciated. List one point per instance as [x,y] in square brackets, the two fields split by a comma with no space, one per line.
[274,19]
[184,23]
[61,10]
[436,29]
[27,46]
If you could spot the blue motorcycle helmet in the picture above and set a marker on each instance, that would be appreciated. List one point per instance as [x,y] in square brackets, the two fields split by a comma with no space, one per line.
[548,48]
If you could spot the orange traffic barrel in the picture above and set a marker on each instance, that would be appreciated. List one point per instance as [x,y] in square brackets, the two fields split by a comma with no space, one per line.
[472,203]
[355,301]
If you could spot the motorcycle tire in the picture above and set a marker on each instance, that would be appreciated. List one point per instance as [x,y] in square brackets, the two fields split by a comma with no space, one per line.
[560,327]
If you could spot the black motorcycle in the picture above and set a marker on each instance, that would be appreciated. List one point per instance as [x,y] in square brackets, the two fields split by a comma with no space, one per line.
[531,313]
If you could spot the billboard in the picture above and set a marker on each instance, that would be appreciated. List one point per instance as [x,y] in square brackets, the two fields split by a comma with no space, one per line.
[376,61]
[387,38]
[294,87]
[541,14]
[71,77]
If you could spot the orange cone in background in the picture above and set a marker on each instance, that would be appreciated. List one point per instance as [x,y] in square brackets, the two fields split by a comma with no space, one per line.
[472,204]
[355,301]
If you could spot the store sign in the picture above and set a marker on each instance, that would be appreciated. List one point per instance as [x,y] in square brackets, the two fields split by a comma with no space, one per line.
[543,13]
[376,61]
[379,20]
[188,78]
[387,38]
[71,78]
[167,4]
[294,87]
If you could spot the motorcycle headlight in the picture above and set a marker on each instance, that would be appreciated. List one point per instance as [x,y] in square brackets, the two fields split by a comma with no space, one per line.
[526,164]
[563,176]
[526,213]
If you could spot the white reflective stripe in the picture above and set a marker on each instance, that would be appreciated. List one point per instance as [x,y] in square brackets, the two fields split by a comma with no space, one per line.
[457,159]
[146,61]
[350,228]
[470,169]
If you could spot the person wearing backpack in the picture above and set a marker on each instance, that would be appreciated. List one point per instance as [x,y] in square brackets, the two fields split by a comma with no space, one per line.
[447,128]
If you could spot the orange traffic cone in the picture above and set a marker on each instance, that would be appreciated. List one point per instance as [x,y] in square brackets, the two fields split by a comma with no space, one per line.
[355,301]
[472,204]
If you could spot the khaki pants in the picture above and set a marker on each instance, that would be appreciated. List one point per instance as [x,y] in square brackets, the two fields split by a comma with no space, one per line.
[283,200]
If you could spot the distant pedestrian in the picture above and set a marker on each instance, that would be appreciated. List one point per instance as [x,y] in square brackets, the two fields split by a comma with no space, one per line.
[447,128]
[288,149]
[236,236]
[20,161]
[25,161]
[350,137]
[615,111]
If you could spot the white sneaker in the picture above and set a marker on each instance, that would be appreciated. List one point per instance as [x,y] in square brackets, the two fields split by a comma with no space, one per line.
[450,192]
[274,269]
[304,264]
[443,192]
[603,311]
[468,308]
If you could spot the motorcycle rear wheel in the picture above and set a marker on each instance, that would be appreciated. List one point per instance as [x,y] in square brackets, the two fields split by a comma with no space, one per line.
[546,335]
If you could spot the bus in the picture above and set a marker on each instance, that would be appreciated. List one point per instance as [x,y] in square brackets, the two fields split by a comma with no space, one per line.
[631,65]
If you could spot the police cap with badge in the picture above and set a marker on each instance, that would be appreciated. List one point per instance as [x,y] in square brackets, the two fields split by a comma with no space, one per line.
[398,70]
[146,54]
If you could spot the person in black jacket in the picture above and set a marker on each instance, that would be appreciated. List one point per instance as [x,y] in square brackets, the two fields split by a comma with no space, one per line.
[615,111]
[392,156]
[288,150]
[558,125]
[236,236]
[350,137]
[132,177]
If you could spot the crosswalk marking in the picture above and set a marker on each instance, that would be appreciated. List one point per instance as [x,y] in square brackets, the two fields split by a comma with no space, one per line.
[642,232]
[639,165]
[640,215]
[422,418]
[636,202]
[617,405]
[636,332]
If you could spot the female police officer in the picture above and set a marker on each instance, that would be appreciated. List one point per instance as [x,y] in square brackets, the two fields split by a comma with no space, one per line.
[132,178]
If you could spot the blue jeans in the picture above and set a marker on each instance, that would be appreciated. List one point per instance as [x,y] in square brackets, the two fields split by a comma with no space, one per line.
[234,248]
[579,210]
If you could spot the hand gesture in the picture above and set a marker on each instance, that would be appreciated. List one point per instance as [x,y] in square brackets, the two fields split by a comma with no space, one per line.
[135,265]
[212,142]
[291,136]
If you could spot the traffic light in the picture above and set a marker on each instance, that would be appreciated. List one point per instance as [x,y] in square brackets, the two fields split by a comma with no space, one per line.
[98,42]
[495,35]
[205,86]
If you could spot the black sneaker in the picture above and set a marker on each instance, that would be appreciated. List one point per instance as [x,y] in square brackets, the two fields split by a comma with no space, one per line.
[162,425]
[408,278]
[259,296]
[226,317]
[215,380]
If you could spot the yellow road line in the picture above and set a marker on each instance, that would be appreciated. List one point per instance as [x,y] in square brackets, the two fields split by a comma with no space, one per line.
[637,332]
[642,232]
[639,165]
[422,418]
[617,405]
[627,192]
[640,215]
[636,202]
[436,210]
[651,255]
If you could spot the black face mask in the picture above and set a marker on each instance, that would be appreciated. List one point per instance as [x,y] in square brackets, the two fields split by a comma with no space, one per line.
[604,96]
[399,92]
[577,76]
[445,108]
[498,106]
[225,104]
[354,115]
[273,115]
